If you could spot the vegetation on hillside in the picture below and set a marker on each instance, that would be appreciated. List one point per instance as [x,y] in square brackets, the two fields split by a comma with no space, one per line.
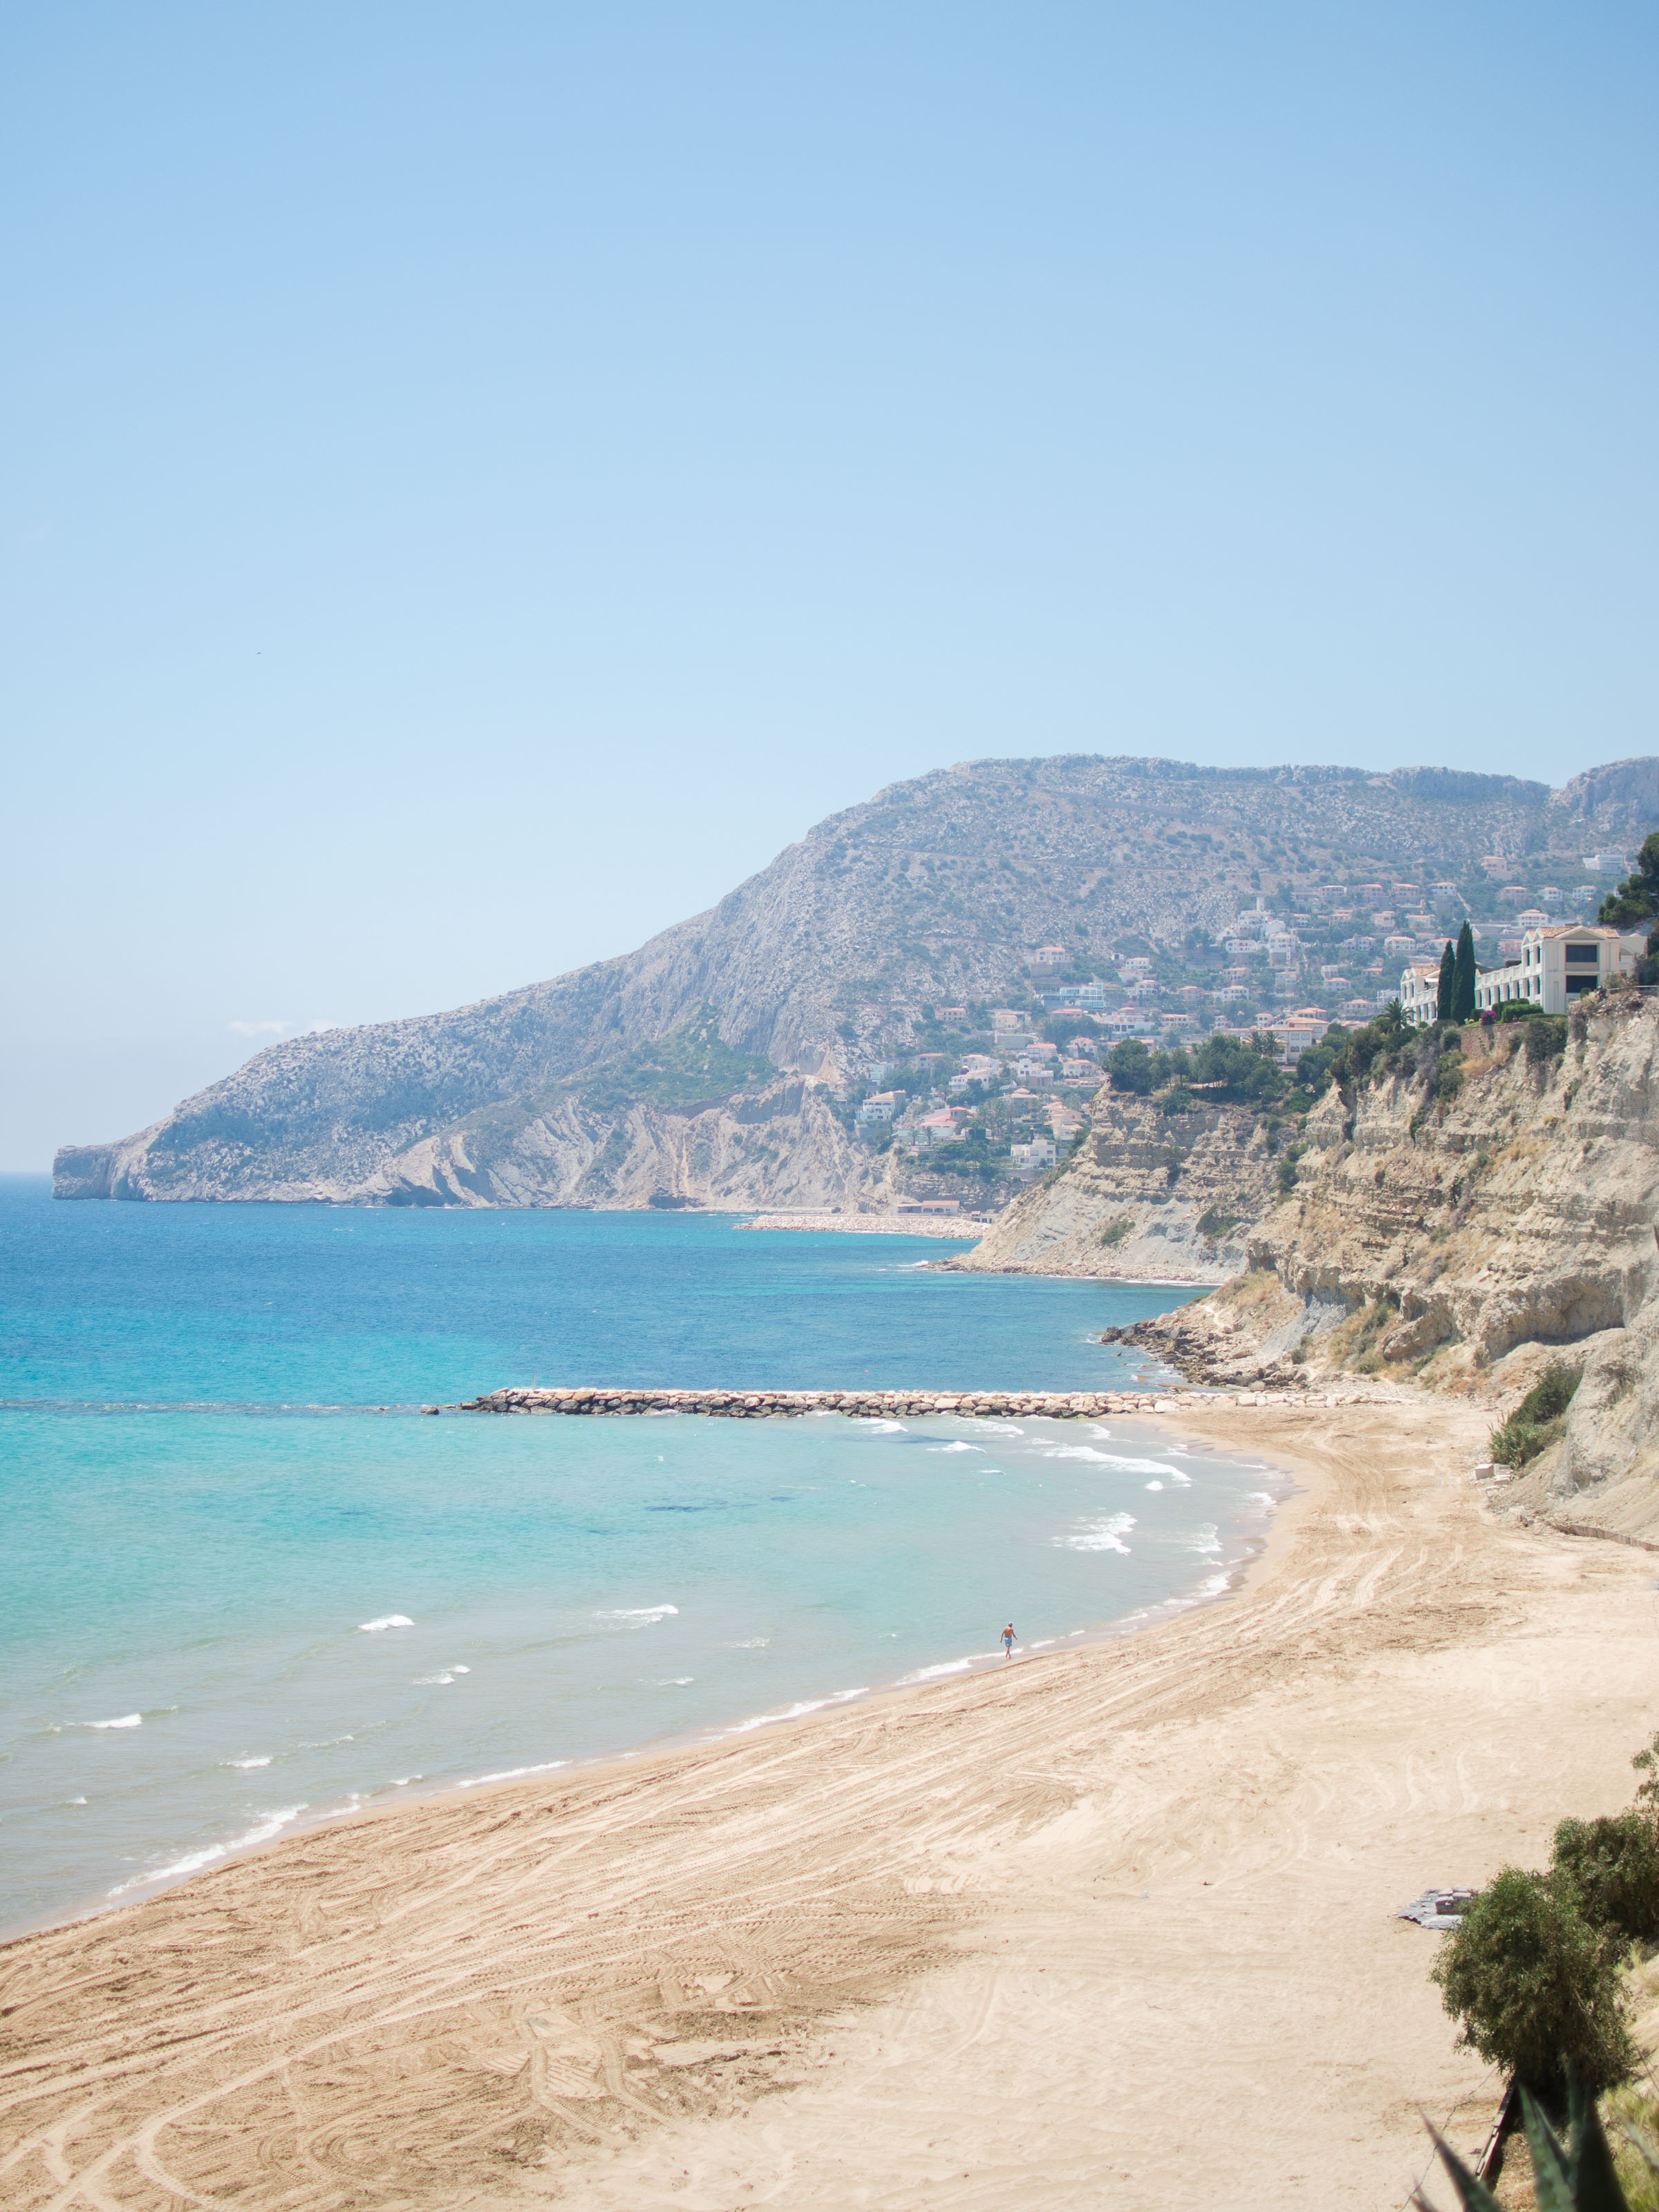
[1539,1420]
[690,1069]
[1637,899]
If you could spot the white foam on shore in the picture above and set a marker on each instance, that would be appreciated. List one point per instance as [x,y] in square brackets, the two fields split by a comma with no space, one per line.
[512,1774]
[127,1720]
[877,1427]
[1205,1540]
[246,1764]
[933,1674]
[270,1825]
[1155,1486]
[386,1620]
[1103,1535]
[797,1711]
[639,1613]
[956,1448]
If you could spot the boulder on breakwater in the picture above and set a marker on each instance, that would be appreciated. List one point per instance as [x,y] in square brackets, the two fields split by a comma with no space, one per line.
[764,1405]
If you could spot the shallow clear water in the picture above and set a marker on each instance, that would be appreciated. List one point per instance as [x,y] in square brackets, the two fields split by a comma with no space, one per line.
[219,1622]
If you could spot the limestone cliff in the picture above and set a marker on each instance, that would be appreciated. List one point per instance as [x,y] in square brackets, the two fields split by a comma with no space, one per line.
[1148,1197]
[1466,1233]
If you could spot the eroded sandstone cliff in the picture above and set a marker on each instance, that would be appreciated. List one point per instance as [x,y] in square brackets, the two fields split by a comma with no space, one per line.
[1465,1234]
[1149,1197]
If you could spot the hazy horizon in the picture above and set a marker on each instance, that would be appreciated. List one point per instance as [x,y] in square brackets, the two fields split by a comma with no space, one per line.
[488,486]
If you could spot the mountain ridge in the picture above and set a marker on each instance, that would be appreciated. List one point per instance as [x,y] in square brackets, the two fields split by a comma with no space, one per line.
[820,964]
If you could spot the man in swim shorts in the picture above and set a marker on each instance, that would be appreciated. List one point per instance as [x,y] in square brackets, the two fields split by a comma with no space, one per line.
[1008,1641]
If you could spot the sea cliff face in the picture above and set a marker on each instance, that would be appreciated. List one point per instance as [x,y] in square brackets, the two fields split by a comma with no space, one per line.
[1463,1243]
[1148,1197]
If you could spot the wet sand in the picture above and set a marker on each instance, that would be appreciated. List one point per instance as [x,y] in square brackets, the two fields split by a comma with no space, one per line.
[1110,1926]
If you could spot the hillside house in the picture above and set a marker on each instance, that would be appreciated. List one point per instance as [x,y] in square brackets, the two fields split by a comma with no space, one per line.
[1559,964]
[1420,992]
[881,1106]
[1047,956]
[936,1128]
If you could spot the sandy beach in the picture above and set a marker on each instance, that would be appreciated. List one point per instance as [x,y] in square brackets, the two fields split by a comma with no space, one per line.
[1114,1926]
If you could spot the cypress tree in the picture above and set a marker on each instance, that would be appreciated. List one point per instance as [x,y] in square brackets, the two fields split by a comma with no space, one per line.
[1462,1005]
[1446,989]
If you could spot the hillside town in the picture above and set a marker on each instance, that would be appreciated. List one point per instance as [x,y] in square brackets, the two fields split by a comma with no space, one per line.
[995,1095]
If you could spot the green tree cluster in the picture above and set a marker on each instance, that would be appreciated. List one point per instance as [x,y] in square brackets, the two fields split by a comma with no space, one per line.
[1636,898]
[1534,1970]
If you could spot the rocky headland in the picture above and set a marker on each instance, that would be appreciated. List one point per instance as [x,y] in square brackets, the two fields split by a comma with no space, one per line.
[1484,1211]
[707,1066]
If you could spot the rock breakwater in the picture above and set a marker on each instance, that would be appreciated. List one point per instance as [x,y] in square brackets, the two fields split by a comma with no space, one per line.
[888,1405]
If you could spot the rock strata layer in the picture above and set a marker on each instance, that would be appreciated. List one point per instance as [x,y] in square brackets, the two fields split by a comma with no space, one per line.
[1463,1238]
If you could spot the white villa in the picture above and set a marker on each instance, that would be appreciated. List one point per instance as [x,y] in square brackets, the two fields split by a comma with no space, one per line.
[1551,966]
[1560,964]
[1419,991]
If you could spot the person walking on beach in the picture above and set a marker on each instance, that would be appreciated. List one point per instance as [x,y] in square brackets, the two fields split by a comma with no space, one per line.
[1008,1641]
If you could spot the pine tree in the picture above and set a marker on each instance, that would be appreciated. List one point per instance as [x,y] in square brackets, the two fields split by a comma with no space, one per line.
[1636,898]
[1447,988]
[1462,1005]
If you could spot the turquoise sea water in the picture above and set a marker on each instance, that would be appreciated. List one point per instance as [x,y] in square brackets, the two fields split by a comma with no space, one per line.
[235,1598]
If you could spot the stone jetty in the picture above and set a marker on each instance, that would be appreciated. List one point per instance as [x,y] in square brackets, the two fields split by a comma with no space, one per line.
[888,1405]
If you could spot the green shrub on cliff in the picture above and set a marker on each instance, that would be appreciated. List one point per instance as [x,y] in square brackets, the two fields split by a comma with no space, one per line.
[1539,1418]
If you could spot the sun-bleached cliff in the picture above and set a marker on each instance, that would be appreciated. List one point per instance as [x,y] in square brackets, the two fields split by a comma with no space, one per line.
[1465,1230]
[1148,1197]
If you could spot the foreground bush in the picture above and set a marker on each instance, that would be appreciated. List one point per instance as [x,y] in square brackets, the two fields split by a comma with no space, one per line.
[1536,1987]
[1576,2176]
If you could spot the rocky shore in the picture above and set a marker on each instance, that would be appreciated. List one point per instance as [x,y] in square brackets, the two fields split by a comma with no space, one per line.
[762,1405]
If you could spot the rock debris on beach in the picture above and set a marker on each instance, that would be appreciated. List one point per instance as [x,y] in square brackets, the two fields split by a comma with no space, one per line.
[756,1405]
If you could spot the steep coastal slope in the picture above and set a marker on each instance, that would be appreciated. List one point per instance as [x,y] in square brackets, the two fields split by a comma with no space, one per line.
[1149,1197]
[1464,1235]
[934,890]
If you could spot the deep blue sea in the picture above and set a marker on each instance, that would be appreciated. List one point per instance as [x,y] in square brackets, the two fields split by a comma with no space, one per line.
[244,1586]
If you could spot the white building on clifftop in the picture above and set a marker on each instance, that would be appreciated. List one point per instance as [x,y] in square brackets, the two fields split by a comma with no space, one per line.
[1560,964]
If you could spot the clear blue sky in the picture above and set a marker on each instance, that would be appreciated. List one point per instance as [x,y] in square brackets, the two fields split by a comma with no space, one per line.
[482,479]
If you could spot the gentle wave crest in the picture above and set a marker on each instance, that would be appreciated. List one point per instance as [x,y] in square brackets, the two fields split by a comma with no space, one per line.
[270,1825]
[1106,1534]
